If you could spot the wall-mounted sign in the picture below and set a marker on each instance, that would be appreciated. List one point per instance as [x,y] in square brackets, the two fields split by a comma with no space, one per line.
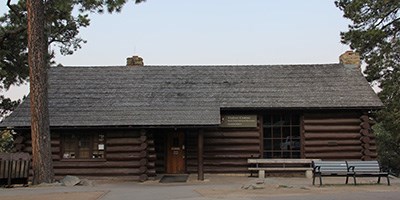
[243,121]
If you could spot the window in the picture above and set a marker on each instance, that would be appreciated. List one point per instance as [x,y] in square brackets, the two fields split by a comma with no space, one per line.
[282,135]
[83,146]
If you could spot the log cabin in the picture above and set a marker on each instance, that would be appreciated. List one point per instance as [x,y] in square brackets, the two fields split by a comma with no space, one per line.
[138,121]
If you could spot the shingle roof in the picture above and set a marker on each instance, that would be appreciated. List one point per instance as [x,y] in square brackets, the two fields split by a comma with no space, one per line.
[192,95]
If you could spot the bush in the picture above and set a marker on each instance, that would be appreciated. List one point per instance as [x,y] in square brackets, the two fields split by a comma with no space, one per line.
[388,149]
[6,141]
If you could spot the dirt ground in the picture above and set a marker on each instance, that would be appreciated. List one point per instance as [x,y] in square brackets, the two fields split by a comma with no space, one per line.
[214,187]
[58,196]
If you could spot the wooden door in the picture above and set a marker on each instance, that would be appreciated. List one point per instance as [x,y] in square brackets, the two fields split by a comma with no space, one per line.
[176,152]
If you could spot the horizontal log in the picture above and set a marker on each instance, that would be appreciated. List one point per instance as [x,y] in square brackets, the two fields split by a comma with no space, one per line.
[365,139]
[228,163]
[53,149]
[124,141]
[126,156]
[128,134]
[336,155]
[353,121]
[221,170]
[235,156]
[101,171]
[55,157]
[331,115]
[338,136]
[232,134]
[54,142]
[331,142]
[150,165]
[366,158]
[364,118]
[322,149]
[365,145]
[372,141]
[241,148]
[230,141]
[364,132]
[127,148]
[151,157]
[366,152]
[104,164]
[333,128]
[372,148]
[365,125]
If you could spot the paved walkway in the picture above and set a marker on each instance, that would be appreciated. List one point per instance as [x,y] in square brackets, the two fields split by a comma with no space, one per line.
[215,187]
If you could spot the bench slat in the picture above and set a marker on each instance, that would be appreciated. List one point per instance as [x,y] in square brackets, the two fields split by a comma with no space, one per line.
[280,169]
[280,161]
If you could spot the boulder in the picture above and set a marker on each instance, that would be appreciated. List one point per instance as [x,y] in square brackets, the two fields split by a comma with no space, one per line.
[70,180]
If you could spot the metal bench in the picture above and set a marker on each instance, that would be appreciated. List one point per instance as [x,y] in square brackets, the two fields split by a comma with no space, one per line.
[367,169]
[275,165]
[14,168]
[331,168]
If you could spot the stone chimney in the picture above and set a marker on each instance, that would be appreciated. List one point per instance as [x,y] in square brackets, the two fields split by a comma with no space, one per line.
[350,58]
[134,61]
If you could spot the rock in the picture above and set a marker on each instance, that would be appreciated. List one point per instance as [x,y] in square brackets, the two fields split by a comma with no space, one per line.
[86,182]
[70,180]
[254,185]
[284,186]
[257,186]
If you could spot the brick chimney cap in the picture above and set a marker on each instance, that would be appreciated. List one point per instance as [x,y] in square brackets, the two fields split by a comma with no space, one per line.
[134,61]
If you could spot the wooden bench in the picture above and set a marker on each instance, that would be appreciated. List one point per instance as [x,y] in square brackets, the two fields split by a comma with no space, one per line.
[367,169]
[330,168]
[14,168]
[276,165]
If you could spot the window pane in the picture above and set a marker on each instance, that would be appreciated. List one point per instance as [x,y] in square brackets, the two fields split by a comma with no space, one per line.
[276,120]
[276,132]
[267,133]
[295,119]
[84,147]
[286,132]
[286,119]
[98,146]
[267,120]
[69,146]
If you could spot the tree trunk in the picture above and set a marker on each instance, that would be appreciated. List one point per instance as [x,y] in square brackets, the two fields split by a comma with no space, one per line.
[37,51]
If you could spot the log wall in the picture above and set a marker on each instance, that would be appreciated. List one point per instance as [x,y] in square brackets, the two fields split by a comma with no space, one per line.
[337,136]
[225,150]
[129,154]
[160,147]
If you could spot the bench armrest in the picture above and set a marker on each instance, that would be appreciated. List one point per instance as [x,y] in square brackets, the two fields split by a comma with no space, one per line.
[316,168]
[350,168]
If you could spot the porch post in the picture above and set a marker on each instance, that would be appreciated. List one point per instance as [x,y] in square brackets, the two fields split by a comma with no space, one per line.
[200,147]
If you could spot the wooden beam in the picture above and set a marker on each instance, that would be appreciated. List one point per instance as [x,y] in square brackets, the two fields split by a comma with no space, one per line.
[200,149]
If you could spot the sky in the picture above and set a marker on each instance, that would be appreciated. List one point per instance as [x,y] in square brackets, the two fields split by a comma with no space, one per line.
[211,32]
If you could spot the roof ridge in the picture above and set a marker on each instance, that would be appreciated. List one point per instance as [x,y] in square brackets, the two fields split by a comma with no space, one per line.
[205,65]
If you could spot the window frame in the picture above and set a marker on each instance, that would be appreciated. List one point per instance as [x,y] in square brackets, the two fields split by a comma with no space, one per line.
[289,130]
[92,138]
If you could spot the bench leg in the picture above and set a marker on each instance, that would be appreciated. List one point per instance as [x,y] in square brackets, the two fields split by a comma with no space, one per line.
[354,178]
[347,179]
[261,174]
[379,179]
[313,179]
[388,179]
[320,180]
